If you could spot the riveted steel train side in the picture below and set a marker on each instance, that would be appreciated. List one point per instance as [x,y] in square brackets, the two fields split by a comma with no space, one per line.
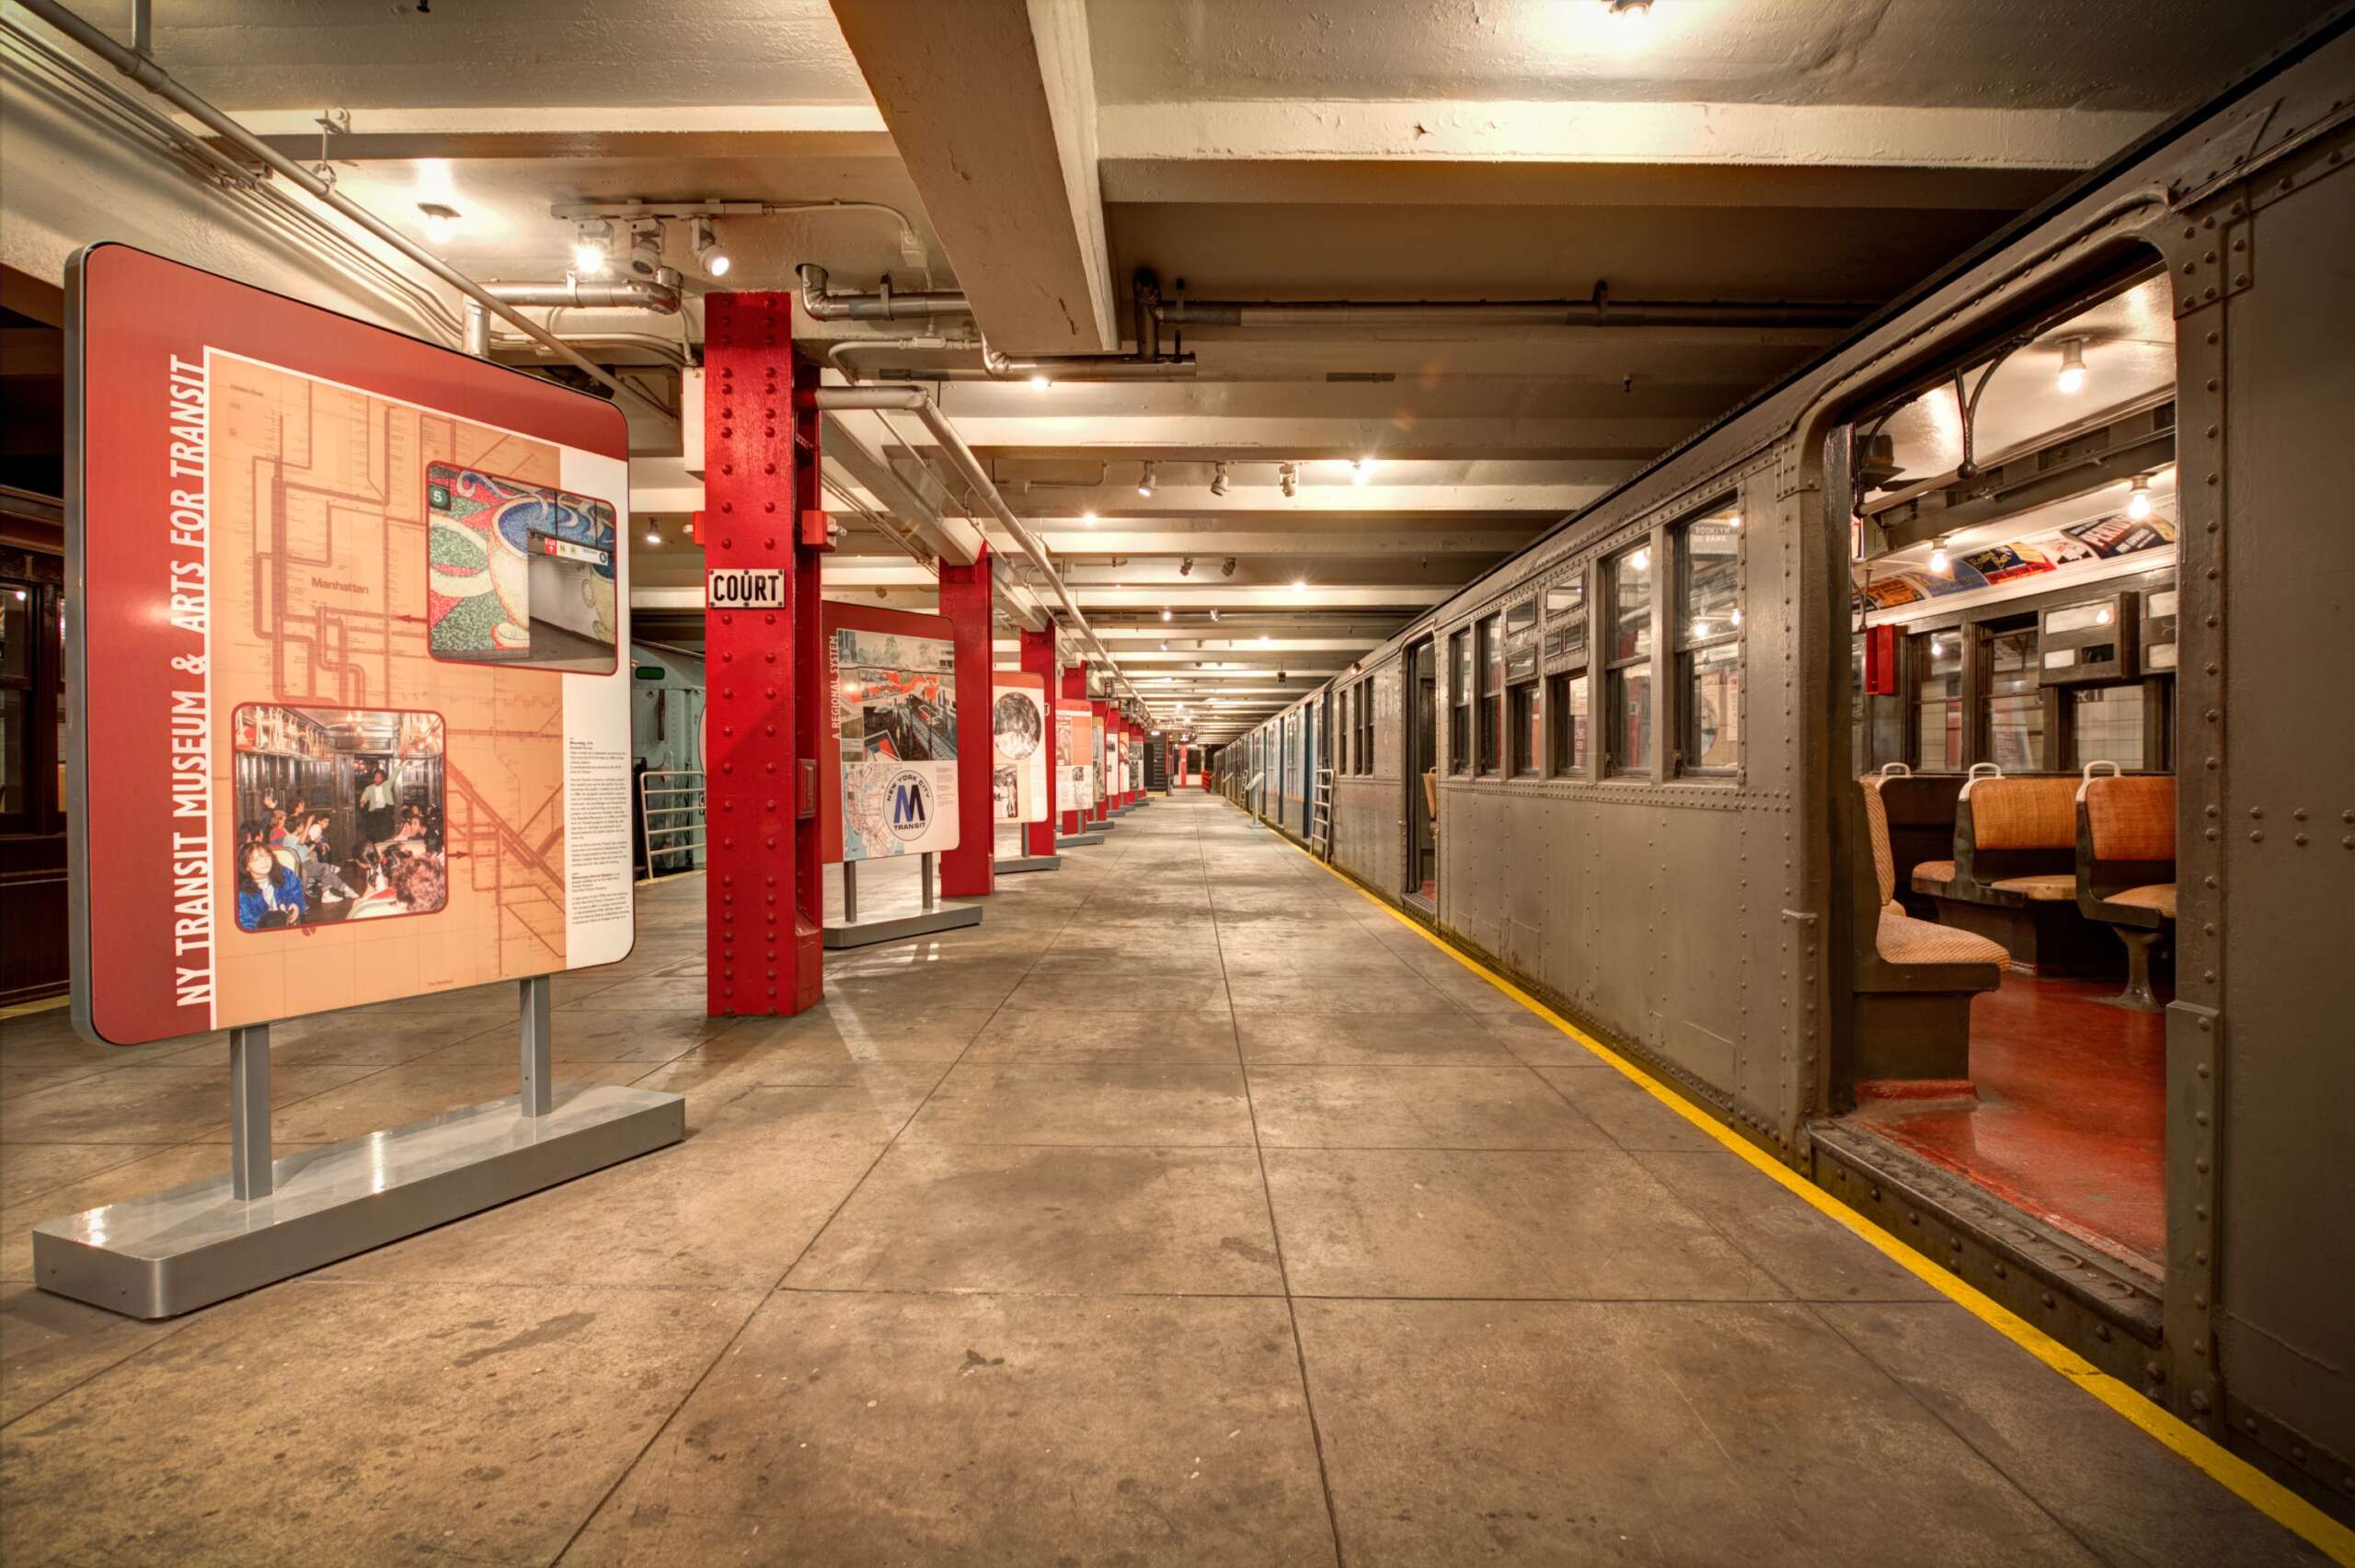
[1640,798]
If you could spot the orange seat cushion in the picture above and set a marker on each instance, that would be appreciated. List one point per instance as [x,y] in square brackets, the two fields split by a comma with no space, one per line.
[2132,818]
[1903,940]
[2159,895]
[2043,889]
[2024,813]
[1931,874]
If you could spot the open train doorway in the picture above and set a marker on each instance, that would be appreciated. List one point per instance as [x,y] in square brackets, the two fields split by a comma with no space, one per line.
[2013,620]
[1421,775]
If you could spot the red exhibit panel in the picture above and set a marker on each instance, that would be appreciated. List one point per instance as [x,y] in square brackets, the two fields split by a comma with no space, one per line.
[888,768]
[1039,659]
[349,716]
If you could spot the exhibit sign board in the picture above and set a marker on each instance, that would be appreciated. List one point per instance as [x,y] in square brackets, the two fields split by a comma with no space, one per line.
[893,675]
[348,717]
[1075,747]
[1019,746]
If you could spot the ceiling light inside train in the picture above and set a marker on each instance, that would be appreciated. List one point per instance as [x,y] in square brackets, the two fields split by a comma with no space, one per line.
[2138,500]
[592,248]
[1643,560]
[1300,588]
[1087,519]
[1218,479]
[1165,614]
[1940,562]
[710,257]
[2073,365]
[1144,482]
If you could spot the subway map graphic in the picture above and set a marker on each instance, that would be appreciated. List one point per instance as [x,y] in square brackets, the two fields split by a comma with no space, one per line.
[321,602]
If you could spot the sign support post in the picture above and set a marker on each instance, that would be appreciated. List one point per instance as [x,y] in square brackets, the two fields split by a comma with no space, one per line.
[251,1171]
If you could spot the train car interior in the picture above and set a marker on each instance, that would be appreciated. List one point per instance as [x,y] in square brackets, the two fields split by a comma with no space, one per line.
[2012,731]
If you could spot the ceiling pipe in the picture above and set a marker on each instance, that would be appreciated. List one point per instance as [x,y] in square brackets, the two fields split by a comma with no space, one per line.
[161,83]
[1597,310]
[1147,363]
[660,294]
[914,400]
[884,305]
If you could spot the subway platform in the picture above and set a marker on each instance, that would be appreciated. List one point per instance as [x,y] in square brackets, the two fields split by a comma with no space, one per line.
[1191,1208]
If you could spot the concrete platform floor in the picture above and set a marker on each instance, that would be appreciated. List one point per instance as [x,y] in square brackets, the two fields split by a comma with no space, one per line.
[1190,1209]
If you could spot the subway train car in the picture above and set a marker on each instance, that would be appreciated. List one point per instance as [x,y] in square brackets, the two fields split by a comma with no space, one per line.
[1938,768]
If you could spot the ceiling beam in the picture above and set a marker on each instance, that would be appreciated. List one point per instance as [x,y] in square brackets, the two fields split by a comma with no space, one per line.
[992,104]
[1135,139]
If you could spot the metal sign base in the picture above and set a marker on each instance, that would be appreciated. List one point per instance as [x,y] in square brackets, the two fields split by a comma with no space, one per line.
[1006,865]
[173,1252]
[936,916]
[1072,840]
[269,1219]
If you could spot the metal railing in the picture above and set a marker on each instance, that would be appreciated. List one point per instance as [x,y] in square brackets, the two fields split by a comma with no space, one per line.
[670,806]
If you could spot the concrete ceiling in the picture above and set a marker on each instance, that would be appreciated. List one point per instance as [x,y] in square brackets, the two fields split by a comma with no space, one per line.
[1037,153]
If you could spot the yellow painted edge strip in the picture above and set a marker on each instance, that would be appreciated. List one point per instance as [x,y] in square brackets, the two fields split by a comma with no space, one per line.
[2252,1485]
[21,1009]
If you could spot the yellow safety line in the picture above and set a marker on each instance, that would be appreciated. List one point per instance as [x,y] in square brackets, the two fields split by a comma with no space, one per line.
[2252,1485]
[19,1008]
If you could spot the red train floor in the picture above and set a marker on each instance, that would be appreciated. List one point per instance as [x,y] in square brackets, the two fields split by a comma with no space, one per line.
[2070,1122]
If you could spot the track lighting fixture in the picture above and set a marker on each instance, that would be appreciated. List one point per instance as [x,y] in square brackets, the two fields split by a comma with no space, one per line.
[592,245]
[1144,483]
[653,533]
[1218,479]
[1227,570]
[2138,499]
[710,257]
[1186,568]
[2073,364]
[1214,617]
[646,248]
[1288,476]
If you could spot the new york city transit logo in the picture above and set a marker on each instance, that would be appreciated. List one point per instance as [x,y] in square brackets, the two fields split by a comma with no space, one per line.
[910,795]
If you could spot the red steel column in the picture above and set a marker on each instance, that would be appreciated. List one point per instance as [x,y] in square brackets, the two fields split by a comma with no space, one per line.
[1103,712]
[1074,698]
[1038,658]
[764,679]
[967,871]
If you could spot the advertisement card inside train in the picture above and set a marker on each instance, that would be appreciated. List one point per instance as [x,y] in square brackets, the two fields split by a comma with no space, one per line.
[349,720]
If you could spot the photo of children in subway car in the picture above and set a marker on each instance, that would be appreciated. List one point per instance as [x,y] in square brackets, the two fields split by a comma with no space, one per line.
[339,816]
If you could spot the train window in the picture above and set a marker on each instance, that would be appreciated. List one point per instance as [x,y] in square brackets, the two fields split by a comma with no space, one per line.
[2106,724]
[1859,751]
[1522,711]
[1565,689]
[1937,700]
[1628,686]
[1459,728]
[1365,726]
[1708,637]
[2014,702]
[1566,710]
[1492,680]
